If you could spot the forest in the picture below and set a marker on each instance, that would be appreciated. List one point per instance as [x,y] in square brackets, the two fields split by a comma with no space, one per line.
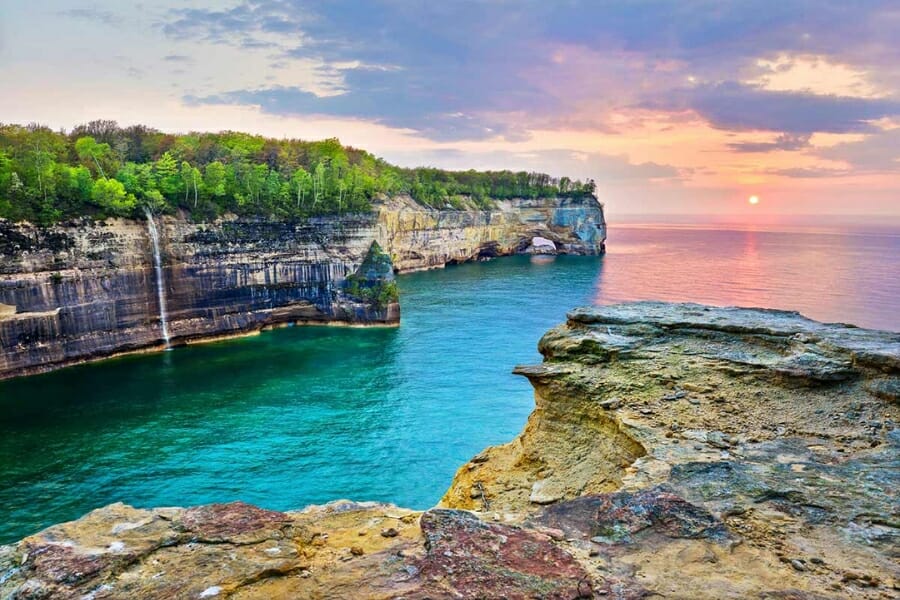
[100,169]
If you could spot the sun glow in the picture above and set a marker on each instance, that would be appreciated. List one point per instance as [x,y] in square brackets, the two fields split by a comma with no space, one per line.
[753,199]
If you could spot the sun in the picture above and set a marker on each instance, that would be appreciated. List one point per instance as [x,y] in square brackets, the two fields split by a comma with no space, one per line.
[753,199]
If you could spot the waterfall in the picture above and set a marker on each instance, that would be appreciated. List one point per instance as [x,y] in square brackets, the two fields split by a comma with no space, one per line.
[160,284]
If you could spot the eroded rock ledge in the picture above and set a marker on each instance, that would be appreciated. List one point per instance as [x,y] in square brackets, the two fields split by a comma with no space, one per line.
[675,451]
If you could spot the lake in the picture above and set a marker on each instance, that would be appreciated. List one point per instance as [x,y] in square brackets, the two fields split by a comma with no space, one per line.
[306,415]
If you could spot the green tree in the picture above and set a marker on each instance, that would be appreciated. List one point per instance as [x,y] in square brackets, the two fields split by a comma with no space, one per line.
[155,201]
[167,176]
[82,183]
[318,183]
[90,151]
[6,170]
[190,180]
[214,180]
[301,184]
[40,166]
[110,195]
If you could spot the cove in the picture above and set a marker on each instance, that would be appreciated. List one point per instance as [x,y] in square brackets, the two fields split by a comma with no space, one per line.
[312,414]
[292,416]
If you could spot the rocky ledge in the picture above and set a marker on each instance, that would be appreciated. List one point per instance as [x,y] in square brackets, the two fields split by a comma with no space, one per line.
[675,451]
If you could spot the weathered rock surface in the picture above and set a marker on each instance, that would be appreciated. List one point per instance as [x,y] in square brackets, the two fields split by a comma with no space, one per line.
[710,452]
[675,451]
[333,551]
[418,238]
[88,290]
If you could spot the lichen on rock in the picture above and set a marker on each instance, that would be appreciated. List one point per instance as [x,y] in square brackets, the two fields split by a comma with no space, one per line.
[760,427]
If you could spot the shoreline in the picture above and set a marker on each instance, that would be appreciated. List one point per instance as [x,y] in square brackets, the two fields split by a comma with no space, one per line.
[662,436]
[221,337]
[192,341]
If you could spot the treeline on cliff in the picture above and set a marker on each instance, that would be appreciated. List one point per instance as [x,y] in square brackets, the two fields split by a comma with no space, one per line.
[100,169]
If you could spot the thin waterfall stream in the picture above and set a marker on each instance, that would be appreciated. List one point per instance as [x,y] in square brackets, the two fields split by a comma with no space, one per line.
[160,284]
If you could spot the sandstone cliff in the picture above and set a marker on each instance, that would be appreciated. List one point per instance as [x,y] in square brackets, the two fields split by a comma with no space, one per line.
[418,238]
[88,290]
[675,451]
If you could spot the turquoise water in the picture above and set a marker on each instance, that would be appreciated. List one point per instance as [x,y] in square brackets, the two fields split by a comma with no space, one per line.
[307,415]
[293,416]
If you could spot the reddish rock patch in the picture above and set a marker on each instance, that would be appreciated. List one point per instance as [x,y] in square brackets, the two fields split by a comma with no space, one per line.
[476,559]
[223,522]
[62,564]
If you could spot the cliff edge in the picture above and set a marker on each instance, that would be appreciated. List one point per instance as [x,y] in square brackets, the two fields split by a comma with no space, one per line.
[89,290]
[675,451]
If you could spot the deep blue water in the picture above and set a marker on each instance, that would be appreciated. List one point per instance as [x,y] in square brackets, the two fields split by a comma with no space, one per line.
[307,415]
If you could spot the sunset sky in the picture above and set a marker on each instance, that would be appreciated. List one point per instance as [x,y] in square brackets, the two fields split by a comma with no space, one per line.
[672,106]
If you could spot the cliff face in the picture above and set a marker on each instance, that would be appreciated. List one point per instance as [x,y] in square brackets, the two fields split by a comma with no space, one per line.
[418,238]
[87,291]
[675,451]
[84,291]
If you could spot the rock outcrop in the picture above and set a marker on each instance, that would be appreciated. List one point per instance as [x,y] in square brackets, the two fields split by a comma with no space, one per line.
[418,238]
[675,451]
[701,452]
[88,290]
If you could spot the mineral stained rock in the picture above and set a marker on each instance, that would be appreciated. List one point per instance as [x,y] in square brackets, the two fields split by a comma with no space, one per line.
[86,290]
[675,451]
[418,238]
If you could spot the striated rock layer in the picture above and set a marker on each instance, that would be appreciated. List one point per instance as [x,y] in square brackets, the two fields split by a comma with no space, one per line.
[675,451]
[418,238]
[88,290]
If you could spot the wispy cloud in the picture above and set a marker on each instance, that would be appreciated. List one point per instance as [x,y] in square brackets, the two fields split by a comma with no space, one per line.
[96,15]
[785,141]
[606,168]
[479,59]
[810,172]
[739,107]
[876,153]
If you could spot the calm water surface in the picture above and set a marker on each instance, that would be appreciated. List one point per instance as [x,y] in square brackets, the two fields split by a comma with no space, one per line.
[307,415]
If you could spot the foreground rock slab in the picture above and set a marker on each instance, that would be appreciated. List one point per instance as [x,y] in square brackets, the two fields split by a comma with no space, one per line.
[341,550]
[709,452]
[675,451]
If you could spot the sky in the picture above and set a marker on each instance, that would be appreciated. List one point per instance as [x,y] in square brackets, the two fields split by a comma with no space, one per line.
[685,107]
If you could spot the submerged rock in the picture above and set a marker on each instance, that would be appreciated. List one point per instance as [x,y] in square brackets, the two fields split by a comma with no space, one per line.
[773,476]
